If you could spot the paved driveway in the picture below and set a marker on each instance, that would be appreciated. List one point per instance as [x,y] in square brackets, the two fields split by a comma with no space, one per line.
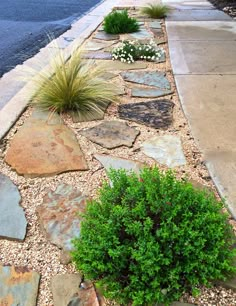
[25,24]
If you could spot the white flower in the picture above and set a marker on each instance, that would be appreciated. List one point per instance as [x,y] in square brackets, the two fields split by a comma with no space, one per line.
[149,57]
[129,62]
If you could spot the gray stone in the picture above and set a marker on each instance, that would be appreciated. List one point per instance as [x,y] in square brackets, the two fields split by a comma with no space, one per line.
[167,150]
[149,78]
[65,258]
[117,65]
[109,75]
[157,114]
[93,116]
[98,45]
[98,55]
[149,92]
[155,25]
[104,36]
[12,218]
[45,146]
[116,163]
[19,286]
[112,134]
[161,59]
[58,215]
[142,34]
[197,15]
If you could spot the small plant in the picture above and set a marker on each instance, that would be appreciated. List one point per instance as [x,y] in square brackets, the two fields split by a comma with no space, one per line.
[130,51]
[149,239]
[75,85]
[156,10]
[120,22]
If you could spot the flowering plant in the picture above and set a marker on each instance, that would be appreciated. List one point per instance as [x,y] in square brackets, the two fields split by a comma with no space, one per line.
[129,51]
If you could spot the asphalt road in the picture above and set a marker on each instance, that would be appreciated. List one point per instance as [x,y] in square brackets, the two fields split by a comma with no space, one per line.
[25,25]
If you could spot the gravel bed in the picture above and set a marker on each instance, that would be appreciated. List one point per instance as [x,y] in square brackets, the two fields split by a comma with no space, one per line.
[39,254]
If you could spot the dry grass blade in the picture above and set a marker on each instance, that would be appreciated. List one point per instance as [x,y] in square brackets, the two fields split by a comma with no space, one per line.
[156,10]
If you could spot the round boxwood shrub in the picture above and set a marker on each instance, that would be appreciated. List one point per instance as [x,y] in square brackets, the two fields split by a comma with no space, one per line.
[119,22]
[150,238]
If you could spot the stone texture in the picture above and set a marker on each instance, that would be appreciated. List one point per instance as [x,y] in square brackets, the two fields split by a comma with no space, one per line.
[195,14]
[109,75]
[94,116]
[109,161]
[97,45]
[228,284]
[58,215]
[155,25]
[149,92]
[12,218]
[111,134]
[149,78]
[44,146]
[104,36]
[117,65]
[157,114]
[98,55]
[166,150]
[19,286]
[142,34]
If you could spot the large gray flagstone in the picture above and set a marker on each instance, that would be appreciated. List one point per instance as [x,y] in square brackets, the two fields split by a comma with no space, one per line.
[104,36]
[12,218]
[202,30]
[149,78]
[18,286]
[155,25]
[203,57]
[197,15]
[166,150]
[142,34]
[118,65]
[191,5]
[94,45]
[98,55]
[149,92]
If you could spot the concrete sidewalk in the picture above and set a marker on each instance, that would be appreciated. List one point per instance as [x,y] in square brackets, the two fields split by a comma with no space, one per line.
[202,44]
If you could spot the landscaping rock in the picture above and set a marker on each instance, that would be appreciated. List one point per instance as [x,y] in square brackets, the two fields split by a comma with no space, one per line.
[104,36]
[117,65]
[44,146]
[228,284]
[116,163]
[58,215]
[155,25]
[111,134]
[149,92]
[167,150]
[141,34]
[149,78]
[98,55]
[12,218]
[108,75]
[65,258]
[157,114]
[94,45]
[18,286]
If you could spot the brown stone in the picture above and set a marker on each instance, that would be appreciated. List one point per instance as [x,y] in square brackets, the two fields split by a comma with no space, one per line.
[45,146]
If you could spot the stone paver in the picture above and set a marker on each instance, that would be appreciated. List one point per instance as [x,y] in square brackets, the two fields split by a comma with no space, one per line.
[201,15]
[157,114]
[94,45]
[114,162]
[58,215]
[12,218]
[104,36]
[155,25]
[19,286]
[117,65]
[43,147]
[149,92]
[143,33]
[98,55]
[111,134]
[149,78]
[166,150]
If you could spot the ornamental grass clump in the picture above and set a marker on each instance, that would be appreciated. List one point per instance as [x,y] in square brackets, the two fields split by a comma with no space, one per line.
[130,51]
[148,239]
[155,10]
[119,22]
[75,85]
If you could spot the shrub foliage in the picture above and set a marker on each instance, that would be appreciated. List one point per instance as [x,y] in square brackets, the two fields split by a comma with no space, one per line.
[119,22]
[156,10]
[148,239]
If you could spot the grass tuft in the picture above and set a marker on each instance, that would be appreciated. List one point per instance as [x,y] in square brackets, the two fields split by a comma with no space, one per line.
[156,10]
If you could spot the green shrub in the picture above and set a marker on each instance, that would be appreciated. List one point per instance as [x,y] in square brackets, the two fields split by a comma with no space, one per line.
[130,51]
[155,10]
[120,22]
[148,239]
[75,85]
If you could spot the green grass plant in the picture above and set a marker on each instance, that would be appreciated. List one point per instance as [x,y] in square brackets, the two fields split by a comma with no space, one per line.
[75,85]
[119,22]
[155,10]
[148,239]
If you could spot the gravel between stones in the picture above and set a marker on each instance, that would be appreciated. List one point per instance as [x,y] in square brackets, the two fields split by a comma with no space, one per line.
[37,253]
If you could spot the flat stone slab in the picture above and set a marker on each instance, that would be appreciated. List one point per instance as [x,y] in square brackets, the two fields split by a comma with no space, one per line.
[42,148]
[111,134]
[149,78]
[117,65]
[157,114]
[98,55]
[142,34]
[149,92]
[95,116]
[58,215]
[116,163]
[68,290]
[19,286]
[104,36]
[197,15]
[12,218]
[109,75]
[155,25]
[166,150]
[203,57]
[94,45]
